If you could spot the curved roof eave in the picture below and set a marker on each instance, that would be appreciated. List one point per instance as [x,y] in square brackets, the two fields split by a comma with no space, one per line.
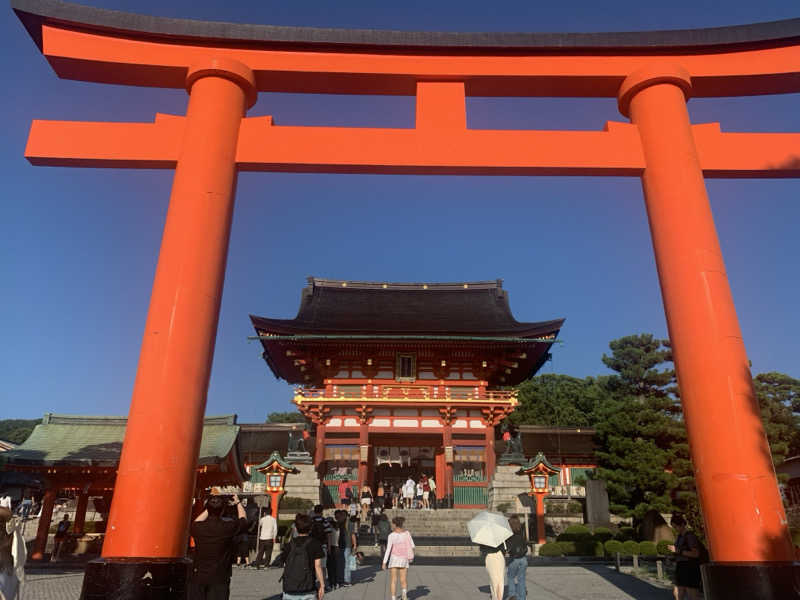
[35,13]
[292,327]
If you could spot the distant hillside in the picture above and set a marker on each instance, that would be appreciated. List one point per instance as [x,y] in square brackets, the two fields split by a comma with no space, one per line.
[17,431]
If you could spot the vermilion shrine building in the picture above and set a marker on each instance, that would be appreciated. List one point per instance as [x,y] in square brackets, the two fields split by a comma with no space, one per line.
[404,378]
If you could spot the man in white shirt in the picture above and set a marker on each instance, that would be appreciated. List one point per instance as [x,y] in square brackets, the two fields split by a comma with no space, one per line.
[409,488]
[5,502]
[268,533]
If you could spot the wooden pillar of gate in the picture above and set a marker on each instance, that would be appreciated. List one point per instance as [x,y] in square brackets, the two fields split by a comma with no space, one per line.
[744,516]
[149,519]
[80,513]
[45,519]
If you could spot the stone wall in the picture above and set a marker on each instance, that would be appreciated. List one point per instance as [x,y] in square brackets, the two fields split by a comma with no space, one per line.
[505,487]
[304,484]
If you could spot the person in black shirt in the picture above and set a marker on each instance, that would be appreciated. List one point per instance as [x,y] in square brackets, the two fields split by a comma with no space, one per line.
[302,575]
[61,533]
[688,550]
[517,547]
[213,538]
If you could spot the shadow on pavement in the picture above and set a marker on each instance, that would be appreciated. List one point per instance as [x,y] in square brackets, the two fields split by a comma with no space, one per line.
[635,588]
[418,592]
[365,574]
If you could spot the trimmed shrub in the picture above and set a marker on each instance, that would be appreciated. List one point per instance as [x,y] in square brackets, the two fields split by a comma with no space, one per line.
[551,549]
[577,529]
[574,508]
[629,548]
[662,549]
[292,503]
[569,548]
[602,534]
[575,533]
[626,533]
[612,547]
[589,548]
[648,549]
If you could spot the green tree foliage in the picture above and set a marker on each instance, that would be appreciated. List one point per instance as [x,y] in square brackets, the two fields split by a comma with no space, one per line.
[642,447]
[285,417]
[17,431]
[639,431]
[778,397]
[557,401]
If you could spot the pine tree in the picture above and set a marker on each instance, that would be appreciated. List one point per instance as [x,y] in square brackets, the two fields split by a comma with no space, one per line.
[778,397]
[640,435]
[557,401]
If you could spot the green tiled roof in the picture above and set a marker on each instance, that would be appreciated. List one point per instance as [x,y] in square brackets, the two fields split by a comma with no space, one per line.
[97,441]
[275,457]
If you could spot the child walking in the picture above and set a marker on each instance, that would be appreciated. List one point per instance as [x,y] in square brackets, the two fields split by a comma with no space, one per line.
[399,552]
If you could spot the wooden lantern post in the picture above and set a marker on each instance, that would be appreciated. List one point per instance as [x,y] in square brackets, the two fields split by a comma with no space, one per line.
[539,471]
[275,470]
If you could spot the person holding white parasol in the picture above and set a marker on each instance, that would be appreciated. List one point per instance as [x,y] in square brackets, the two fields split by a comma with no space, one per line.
[490,531]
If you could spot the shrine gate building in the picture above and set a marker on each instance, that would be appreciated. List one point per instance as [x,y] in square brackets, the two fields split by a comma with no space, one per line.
[404,378]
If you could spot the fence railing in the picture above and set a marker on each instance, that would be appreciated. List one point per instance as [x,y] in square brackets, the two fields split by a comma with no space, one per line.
[406,392]
[470,495]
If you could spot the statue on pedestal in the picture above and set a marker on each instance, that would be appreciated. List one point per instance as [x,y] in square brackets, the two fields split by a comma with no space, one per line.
[297,452]
[514,453]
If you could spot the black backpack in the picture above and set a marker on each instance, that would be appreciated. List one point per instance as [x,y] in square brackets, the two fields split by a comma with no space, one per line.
[298,577]
[517,548]
[384,529]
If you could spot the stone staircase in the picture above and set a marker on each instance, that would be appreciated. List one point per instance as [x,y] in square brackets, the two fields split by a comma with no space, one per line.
[436,533]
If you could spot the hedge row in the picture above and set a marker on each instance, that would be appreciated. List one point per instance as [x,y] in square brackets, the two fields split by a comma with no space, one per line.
[600,549]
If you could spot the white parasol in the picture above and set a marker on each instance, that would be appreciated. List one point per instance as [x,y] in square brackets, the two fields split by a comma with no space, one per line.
[489,529]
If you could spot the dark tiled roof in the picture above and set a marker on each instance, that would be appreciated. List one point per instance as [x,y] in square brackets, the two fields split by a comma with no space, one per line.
[97,441]
[36,13]
[342,307]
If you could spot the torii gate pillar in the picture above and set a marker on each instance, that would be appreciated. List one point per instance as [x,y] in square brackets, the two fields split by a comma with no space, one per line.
[156,476]
[743,511]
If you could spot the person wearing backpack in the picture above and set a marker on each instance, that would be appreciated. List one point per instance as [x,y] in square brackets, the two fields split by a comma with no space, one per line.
[383,529]
[399,553]
[689,554]
[517,547]
[321,530]
[302,573]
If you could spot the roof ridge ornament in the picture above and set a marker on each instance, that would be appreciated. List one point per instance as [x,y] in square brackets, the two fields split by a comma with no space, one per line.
[405,285]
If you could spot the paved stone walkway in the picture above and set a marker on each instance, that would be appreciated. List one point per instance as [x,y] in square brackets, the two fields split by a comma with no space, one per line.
[568,582]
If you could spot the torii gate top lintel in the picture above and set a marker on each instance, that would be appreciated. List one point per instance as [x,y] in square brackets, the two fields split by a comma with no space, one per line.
[440,69]
[758,58]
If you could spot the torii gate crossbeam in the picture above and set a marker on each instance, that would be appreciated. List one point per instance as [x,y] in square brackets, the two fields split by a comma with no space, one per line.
[224,66]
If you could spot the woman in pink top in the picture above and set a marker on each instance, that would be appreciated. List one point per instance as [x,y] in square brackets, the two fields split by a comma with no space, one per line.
[399,552]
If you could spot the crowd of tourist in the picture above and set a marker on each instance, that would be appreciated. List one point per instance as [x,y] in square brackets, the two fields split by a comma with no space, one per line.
[417,495]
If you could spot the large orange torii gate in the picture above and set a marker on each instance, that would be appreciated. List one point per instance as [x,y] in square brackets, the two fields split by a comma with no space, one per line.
[223,66]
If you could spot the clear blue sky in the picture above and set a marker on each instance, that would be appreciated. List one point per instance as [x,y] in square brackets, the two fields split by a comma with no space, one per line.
[78,247]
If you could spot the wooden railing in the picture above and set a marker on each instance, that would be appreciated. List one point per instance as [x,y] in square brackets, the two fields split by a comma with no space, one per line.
[399,391]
